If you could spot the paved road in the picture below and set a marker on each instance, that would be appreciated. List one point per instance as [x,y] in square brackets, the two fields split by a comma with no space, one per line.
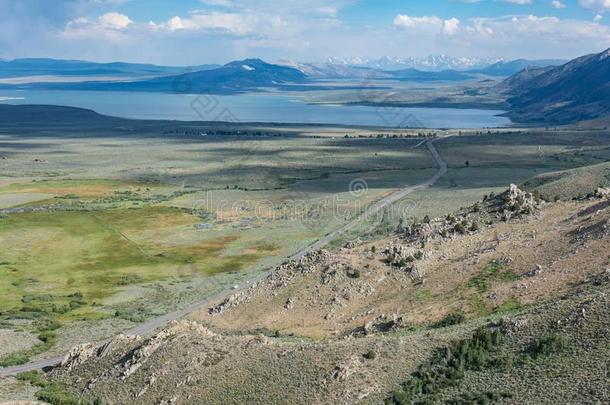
[161,321]
[375,208]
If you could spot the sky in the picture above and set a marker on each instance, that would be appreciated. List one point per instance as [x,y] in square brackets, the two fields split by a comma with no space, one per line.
[192,32]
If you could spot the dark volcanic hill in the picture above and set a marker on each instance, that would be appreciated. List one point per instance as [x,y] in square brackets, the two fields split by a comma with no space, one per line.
[576,91]
[233,77]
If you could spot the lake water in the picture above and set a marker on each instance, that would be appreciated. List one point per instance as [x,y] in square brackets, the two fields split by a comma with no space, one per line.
[285,108]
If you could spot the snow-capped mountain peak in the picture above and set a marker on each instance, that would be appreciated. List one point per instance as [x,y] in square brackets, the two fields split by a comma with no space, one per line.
[431,63]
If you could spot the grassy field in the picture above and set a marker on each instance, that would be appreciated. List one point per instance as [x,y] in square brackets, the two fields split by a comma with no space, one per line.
[98,228]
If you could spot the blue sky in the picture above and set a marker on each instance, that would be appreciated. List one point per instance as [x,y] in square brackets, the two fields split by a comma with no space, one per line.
[189,32]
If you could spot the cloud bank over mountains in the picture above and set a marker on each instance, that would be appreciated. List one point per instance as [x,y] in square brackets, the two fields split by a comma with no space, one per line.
[199,31]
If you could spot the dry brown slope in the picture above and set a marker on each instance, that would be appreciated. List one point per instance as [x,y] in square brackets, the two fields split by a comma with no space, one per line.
[565,243]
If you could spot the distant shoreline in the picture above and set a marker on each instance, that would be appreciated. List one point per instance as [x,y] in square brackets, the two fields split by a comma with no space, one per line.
[431,104]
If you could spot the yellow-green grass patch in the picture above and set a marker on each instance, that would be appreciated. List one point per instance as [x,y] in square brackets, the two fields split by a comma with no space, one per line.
[86,188]
[54,255]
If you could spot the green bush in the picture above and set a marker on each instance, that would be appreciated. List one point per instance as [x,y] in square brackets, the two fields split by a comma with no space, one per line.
[15,359]
[549,344]
[480,283]
[447,367]
[454,318]
[370,355]
[512,304]
[56,394]
[479,398]
[353,273]
[51,392]
[459,227]
[492,272]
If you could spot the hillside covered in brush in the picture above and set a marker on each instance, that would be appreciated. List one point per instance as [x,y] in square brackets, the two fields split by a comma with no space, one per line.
[576,91]
[505,301]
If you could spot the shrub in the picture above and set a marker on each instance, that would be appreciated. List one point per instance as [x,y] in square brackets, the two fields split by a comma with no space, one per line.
[128,279]
[549,344]
[483,398]
[14,359]
[512,304]
[353,273]
[479,282]
[370,355]
[51,392]
[56,394]
[492,272]
[447,367]
[454,318]
[459,227]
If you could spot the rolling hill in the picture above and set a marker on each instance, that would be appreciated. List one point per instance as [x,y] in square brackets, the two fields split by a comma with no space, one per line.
[508,68]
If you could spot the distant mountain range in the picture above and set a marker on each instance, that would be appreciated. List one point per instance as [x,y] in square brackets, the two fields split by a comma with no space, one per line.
[456,69]
[234,77]
[59,67]
[576,91]
[434,63]
[357,68]
[536,91]
[333,71]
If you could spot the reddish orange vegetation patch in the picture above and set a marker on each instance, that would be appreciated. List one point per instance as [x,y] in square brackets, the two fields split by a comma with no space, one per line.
[80,188]
[208,248]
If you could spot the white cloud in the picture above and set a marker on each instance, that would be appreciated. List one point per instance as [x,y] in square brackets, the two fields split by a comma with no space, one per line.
[427,23]
[327,11]
[239,24]
[558,4]
[274,29]
[519,2]
[595,5]
[406,22]
[520,35]
[110,27]
[451,26]
[115,21]
[224,3]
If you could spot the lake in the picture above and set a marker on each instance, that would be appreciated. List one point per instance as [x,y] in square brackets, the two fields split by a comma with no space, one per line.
[258,107]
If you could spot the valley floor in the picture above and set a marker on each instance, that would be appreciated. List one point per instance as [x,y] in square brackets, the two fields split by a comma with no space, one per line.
[111,225]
